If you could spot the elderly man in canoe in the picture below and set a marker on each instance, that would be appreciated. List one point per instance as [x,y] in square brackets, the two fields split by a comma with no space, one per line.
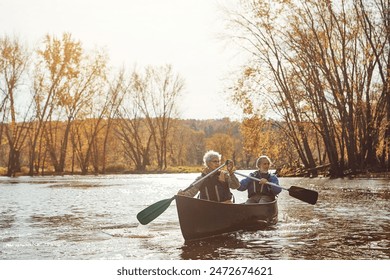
[258,190]
[216,186]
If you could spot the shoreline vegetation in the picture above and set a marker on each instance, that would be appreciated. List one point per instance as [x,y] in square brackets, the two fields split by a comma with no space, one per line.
[198,169]
[185,156]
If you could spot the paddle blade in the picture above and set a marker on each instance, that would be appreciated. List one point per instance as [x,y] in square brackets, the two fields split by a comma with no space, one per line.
[305,195]
[153,211]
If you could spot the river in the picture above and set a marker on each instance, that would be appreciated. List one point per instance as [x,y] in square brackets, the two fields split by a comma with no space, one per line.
[94,218]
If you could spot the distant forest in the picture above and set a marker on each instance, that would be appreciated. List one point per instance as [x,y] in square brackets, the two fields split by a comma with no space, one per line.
[102,146]
[118,148]
[321,66]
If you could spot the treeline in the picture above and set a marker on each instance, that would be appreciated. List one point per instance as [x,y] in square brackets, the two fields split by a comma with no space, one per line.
[323,66]
[108,146]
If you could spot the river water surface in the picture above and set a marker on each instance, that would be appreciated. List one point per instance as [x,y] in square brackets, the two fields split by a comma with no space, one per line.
[94,217]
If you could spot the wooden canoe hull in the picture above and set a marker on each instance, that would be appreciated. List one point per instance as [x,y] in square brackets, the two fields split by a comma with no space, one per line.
[201,219]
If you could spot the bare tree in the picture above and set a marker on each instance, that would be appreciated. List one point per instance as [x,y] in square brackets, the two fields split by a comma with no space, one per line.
[374,16]
[157,100]
[131,126]
[115,97]
[85,132]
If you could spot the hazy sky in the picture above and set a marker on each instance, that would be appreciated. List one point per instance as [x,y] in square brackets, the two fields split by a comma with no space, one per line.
[141,32]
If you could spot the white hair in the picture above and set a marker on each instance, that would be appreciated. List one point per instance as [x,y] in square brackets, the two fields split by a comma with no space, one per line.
[262,158]
[209,155]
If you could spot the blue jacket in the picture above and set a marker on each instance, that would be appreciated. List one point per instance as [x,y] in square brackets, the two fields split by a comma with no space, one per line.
[253,187]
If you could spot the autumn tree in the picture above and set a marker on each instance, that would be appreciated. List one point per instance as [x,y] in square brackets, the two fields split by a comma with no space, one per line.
[338,76]
[222,143]
[252,129]
[313,64]
[14,59]
[195,145]
[67,80]
[181,152]
[266,80]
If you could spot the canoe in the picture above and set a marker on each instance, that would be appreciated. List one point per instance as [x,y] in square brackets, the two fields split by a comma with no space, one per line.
[201,219]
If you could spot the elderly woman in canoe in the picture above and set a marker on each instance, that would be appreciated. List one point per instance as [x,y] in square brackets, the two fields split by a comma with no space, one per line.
[216,187]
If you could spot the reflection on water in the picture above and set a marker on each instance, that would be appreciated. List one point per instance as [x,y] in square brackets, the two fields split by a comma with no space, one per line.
[7,218]
[219,247]
[94,217]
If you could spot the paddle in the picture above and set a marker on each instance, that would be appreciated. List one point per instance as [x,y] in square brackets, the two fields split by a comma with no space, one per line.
[305,195]
[153,211]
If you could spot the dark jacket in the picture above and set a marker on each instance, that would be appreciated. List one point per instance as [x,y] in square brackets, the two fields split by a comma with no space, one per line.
[215,190]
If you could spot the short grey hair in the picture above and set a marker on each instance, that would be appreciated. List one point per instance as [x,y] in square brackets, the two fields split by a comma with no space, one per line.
[262,158]
[209,155]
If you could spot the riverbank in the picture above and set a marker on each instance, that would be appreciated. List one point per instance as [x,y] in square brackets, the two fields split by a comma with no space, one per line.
[185,169]
[168,170]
